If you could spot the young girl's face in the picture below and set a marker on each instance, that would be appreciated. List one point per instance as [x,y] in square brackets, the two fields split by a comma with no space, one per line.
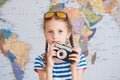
[56,31]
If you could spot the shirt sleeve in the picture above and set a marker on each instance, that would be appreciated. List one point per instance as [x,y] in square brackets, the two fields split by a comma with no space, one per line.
[83,62]
[39,63]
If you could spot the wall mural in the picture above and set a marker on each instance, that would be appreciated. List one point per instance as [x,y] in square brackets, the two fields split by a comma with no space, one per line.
[96,28]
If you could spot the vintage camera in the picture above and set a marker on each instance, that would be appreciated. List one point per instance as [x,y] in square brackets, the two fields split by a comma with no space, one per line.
[64,52]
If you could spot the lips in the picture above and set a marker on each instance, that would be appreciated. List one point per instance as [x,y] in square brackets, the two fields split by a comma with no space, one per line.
[55,41]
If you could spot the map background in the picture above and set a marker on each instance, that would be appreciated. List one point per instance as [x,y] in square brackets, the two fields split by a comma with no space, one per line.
[24,18]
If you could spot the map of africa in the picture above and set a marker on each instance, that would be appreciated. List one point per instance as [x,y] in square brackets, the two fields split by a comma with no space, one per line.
[96,30]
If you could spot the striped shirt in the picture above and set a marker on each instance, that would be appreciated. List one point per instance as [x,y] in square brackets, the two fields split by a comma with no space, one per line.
[61,70]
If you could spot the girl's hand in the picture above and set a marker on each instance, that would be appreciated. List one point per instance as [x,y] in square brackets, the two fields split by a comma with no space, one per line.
[75,57]
[50,59]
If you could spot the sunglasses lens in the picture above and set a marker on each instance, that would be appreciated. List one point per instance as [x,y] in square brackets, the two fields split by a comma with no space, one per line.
[61,15]
[49,15]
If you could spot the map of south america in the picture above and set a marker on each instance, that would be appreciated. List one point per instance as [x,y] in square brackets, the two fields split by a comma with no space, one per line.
[15,50]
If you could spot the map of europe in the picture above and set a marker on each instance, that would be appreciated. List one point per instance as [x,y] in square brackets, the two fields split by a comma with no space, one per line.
[21,37]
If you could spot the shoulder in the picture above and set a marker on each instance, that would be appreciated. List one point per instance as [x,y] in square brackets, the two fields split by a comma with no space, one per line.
[83,62]
[39,62]
[40,58]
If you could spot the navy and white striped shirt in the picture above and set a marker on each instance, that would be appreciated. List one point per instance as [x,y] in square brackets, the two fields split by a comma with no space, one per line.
[61,70]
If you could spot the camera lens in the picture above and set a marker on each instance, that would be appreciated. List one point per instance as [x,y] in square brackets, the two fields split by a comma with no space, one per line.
[61,54]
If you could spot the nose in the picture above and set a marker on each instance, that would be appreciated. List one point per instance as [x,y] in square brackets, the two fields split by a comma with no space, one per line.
[55,35]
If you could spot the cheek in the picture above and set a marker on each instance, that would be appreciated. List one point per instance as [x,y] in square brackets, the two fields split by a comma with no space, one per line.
[47,37]
[64,38]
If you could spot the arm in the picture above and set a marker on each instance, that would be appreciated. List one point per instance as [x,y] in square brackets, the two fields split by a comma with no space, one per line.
[45,74]
[80,74]
[77,74]
[42,74]
[49,74]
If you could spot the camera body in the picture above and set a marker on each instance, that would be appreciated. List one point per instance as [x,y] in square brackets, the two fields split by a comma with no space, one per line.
[64,52]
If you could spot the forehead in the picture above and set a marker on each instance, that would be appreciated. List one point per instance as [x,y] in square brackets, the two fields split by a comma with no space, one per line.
[55,24]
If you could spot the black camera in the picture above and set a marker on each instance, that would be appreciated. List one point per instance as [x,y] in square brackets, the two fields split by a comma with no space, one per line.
[64,52]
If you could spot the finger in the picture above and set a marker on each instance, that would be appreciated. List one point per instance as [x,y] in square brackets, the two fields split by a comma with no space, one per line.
[51,54]
[54,53]
[74,55]
[74,59]
[77,50]
[53,44]
[52,47]
[55,49]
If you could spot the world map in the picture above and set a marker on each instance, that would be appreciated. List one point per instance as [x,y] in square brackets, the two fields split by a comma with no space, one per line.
[96,29]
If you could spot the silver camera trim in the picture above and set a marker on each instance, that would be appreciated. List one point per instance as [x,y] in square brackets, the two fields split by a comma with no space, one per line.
[64,47]
[64,54]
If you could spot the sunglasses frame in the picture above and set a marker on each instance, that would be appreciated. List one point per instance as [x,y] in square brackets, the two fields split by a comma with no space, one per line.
[56,14]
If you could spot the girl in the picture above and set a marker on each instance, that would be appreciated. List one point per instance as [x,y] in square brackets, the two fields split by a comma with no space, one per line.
[57,29]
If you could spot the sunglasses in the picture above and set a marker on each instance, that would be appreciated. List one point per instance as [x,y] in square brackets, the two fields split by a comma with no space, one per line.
[49,15]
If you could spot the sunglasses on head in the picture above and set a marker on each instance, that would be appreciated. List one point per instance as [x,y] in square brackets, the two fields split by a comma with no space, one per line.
[49,15]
